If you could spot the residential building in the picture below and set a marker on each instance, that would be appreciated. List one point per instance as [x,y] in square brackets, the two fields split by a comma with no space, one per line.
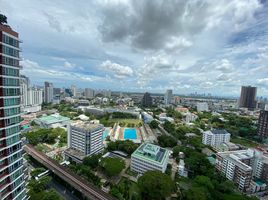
[84,139]
[149,157]
[248,97]
[168,97]
[24,85]
[48,92]
[202,106]
[74,90]
[147,117]
[147,100]
[89,93]
[243,167]
[52,121]
[263,124]
[215,137]
[12,182]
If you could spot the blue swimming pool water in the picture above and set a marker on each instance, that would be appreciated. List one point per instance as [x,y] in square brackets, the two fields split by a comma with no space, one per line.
[105,134]
[130,134]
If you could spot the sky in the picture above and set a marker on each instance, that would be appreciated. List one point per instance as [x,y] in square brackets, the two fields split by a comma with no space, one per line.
[189,46]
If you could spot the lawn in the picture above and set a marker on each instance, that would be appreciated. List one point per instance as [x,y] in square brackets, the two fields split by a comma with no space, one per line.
[127,122]
[244,142]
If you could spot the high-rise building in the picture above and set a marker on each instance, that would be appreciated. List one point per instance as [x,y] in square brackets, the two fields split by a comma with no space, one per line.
[24,85]
[35,96]
[263,124]
[73,89]
[147,100]
[12,183]
[202,106]
[168,97]
[243,166]
[84,139]
[48,92]
[89,93]
[215,137]
[248,97]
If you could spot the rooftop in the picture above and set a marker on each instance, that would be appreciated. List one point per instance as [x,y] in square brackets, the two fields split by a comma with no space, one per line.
[151,152]
[87,126]
[51,119]
[75,153]
[219,131]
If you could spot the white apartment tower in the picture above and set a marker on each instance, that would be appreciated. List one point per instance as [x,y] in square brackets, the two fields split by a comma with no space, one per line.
[168,97]
[48,92]
[84,139]
[215,137]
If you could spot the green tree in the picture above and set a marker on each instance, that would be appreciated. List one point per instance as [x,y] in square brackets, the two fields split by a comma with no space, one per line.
[112,166]
[166,141]
[155,185]
[92,161]
[153,124]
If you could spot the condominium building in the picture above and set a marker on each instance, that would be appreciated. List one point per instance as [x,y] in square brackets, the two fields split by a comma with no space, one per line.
[147,100]
[215,137]
[168,97]
[12,183]
[149,157]
[89,93]
[48,92]
[84,139]
[263,124]
[243,166]
[74,90]
[248,97]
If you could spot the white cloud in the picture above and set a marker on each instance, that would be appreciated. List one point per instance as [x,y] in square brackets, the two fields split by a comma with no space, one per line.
[119,71]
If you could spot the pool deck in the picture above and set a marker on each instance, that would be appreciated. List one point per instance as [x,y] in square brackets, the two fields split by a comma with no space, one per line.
[117,133]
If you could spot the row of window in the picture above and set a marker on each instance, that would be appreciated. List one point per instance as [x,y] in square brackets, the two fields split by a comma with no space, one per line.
[9,40]
[10,71]
[10,121]
[10,111]
[10,131]
[10,61]
[11,101]
[12,140]
[11,82]
[10,51]
[11,91]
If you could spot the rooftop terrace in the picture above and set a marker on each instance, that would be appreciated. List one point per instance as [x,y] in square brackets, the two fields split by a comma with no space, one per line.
[87,126]
[51,119]
[152,153]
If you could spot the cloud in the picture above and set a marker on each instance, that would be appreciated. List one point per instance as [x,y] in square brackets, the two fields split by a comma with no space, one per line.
[53,22]
[119,71]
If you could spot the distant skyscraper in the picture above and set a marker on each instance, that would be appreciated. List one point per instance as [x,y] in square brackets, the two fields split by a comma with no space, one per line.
[147,100]
[248,97]
[168,97]
[89,93]
[263,124]
[12,183]
[24,86]
[48,92]
[74,91]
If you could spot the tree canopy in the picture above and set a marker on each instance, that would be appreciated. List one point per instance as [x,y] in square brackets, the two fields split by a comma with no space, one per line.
[155,185]
[112,166]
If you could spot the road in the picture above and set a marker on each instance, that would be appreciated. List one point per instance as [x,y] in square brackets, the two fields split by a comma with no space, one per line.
[87,189]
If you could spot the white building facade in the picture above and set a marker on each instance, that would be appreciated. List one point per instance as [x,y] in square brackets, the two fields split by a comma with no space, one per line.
[215,138]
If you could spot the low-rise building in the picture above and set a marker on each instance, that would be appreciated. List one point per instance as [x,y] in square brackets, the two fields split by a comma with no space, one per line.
[215,137]
[149,157]
[202,106]
[84,139]
[52,121]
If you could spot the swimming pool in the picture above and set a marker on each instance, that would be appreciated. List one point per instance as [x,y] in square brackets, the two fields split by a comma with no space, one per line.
[130,134]
[105,133]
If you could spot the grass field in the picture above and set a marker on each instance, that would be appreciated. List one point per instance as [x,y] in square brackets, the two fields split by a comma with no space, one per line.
[127,122]
[244,142]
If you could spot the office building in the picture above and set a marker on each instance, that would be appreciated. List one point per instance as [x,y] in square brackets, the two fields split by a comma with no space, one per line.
[89,93]
[48,92]
[12,182]
[202,106]
[74,90]
[215,137]
[84,139]
[149,157]
[262,130]
[168,97]
[243,167]
[147,100]
[248,97]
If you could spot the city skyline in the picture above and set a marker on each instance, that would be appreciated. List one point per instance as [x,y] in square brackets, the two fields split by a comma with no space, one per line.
[85,44]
